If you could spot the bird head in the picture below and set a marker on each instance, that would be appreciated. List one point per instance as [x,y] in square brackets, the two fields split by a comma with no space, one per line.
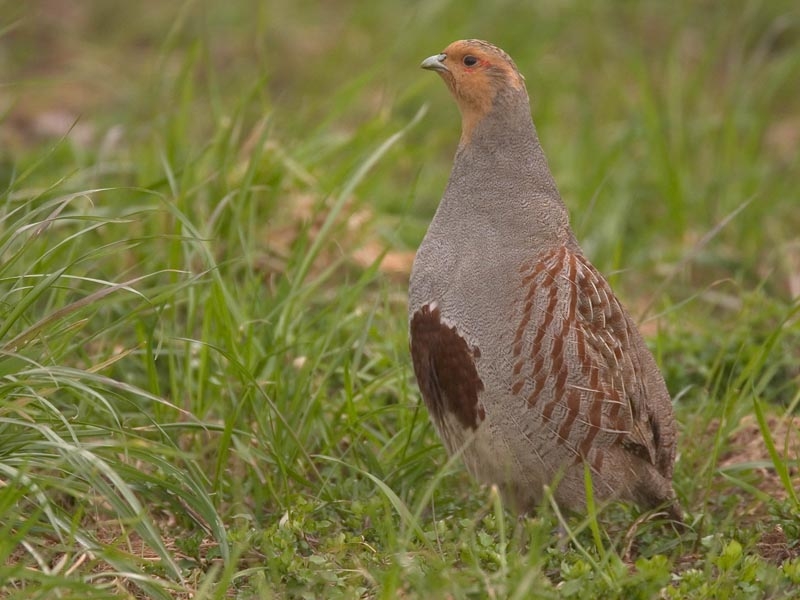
[481,77]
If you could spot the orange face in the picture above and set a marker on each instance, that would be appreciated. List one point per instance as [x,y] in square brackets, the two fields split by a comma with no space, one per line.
[475,72]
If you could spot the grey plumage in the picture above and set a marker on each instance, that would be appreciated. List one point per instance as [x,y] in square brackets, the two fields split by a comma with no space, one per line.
[524,356]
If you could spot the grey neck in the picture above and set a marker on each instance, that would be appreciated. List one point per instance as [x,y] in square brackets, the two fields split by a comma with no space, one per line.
[501,181]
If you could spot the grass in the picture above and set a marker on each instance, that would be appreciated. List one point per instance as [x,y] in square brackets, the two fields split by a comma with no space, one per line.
[207,212]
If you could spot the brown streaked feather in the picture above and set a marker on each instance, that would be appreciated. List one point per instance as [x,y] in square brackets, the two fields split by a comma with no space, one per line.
[572,352]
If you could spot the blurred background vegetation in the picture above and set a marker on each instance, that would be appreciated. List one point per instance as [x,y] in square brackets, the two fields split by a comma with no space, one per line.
[625,95]
[208,218]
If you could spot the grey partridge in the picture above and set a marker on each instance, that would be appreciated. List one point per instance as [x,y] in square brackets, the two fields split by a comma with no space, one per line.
[528,363]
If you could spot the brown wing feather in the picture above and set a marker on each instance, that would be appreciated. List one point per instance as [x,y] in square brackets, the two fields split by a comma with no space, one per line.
[574,362]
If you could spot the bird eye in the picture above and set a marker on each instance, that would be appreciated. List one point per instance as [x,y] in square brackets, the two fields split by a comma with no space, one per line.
[470,61]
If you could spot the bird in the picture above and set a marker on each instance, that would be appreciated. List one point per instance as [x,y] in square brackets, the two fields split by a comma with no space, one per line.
[530,367]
